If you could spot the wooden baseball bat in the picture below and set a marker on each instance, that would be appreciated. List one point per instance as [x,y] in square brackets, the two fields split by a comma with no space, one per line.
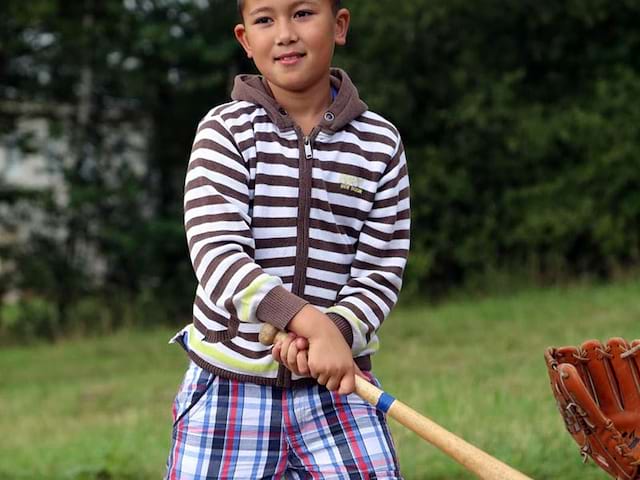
[472,458]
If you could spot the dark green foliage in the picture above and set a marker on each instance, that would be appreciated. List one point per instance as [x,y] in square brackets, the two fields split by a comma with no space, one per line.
[522,128]
[118,81]
[520,121]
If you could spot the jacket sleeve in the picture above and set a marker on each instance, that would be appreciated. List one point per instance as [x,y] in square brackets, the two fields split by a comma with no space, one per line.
[217,224]
[376,273]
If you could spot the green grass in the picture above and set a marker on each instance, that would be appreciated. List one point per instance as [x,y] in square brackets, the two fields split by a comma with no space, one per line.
[100,408]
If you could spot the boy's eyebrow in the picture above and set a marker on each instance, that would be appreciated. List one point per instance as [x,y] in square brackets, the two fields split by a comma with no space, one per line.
[260,10]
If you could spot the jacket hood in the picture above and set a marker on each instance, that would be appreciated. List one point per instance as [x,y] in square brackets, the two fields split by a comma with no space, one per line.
[345,107]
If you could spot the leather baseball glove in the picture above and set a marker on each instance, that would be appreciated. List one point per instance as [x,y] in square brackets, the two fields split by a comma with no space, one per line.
[597,388]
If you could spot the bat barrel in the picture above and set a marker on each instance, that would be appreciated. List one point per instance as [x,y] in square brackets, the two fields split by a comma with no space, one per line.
[472,458]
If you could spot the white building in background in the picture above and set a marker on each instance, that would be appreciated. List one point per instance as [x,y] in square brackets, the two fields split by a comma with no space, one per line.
[30,170]
[40,169]
[33,170]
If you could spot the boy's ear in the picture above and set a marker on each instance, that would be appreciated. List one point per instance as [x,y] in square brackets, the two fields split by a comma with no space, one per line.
[241,36]
[343,17]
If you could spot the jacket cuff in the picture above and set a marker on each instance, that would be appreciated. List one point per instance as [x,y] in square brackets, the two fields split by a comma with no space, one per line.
[343,326]
[278,307]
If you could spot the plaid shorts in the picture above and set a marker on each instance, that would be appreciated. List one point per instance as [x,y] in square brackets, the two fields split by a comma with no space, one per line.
[225,429]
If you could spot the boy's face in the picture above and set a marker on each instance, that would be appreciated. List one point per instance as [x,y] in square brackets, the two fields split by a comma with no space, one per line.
[292,41]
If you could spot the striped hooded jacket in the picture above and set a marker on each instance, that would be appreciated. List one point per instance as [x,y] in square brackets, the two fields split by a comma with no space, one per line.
[276,219]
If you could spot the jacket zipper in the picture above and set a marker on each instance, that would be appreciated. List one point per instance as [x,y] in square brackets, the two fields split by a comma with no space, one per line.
[305,182]
[308,147]
[304,192]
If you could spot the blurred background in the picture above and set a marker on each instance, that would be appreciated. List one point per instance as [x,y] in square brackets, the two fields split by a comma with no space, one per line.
[520,118]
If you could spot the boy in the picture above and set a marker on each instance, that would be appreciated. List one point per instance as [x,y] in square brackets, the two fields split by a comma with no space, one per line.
[297,214]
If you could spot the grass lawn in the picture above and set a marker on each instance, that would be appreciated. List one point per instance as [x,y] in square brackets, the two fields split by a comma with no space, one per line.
[100,408]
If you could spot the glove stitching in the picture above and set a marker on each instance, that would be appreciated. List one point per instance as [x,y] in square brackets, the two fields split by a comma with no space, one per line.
[630,352]
[581,355]
[605,352]
[602,442]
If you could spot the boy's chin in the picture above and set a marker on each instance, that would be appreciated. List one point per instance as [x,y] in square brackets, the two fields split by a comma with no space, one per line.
[292,84]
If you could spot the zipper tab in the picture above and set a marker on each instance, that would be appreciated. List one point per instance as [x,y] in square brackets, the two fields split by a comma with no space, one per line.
[308,148]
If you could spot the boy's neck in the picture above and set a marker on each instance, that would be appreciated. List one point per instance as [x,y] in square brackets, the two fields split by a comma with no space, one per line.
[305,108]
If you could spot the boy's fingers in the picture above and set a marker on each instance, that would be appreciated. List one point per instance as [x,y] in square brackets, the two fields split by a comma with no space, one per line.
[275,352]
[333,383]
[303,364]
[284,349]
[347,384]
[302,343]
[292,354]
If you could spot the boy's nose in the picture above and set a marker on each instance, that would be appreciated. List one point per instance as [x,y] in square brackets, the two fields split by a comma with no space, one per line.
[286,34]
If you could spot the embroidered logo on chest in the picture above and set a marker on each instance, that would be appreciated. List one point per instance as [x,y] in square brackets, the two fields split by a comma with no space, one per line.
[350,183]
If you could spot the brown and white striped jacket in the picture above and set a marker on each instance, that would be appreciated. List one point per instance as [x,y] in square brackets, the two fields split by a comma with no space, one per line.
[275,220]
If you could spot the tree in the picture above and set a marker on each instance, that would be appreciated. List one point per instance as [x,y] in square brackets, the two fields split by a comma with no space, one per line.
[123,84]
[520,127]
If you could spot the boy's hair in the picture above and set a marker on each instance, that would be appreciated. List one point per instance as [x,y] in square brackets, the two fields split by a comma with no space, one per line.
[336,6]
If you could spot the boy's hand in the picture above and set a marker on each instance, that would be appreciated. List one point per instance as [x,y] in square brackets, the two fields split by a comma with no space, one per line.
[329,358]
[292,353]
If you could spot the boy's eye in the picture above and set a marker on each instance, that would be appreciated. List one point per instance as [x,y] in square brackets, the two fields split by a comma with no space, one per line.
[262,20]
[303,13]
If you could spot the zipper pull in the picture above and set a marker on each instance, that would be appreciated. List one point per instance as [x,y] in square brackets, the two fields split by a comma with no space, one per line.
[308,149]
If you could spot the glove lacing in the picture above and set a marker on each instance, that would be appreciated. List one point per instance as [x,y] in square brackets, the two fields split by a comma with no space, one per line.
[630,352]
[581,417]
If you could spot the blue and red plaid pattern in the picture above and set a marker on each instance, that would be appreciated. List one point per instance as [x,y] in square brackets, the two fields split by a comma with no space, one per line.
[225,429]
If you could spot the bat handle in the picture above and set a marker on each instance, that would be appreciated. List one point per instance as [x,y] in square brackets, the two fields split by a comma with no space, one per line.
[270,334]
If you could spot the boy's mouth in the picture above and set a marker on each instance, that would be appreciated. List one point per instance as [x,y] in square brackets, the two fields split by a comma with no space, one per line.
[289,58]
